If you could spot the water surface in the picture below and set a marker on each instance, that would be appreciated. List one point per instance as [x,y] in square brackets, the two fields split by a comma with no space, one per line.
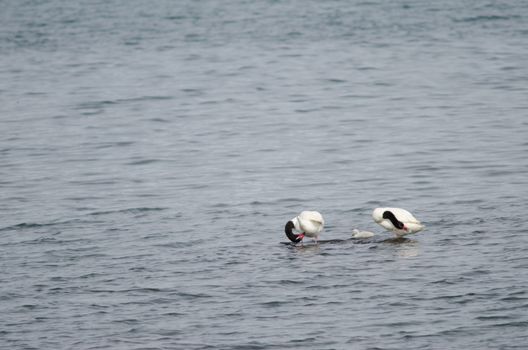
[150,155]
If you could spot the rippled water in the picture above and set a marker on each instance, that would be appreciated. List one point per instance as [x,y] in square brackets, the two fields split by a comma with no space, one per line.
[151,153]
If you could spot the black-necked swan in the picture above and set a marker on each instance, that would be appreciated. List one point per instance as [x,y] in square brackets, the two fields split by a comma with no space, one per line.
[397,220]
[307,223]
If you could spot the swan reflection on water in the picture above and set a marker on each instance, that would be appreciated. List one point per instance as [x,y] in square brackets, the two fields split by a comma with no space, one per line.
[403,247]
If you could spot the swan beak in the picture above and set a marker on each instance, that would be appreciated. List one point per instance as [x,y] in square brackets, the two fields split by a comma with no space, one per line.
[405,228]
[300,237]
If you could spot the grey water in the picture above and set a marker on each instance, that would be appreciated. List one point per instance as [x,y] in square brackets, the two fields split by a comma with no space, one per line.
[151,153]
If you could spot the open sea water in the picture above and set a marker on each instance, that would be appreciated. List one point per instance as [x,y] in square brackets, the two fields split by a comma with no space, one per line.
[151,153]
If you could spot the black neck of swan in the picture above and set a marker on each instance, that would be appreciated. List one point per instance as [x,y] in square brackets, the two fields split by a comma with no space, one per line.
[288,229]
[389,215]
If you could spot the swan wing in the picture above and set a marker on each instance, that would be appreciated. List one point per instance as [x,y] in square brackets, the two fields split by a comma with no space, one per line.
[311,222]
[312,216]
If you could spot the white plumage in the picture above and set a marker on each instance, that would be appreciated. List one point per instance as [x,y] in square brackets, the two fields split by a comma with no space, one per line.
[361,234]
[309,223]
[397,220]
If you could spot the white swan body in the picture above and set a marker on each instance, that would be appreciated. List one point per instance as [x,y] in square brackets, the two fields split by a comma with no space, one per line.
[307,223]
[361,234]
[397,220]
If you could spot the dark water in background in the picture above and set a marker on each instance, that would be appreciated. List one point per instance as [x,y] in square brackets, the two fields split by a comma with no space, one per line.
[151,152]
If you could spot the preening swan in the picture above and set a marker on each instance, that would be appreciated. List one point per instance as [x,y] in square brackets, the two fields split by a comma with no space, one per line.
[307,223]
[397,220]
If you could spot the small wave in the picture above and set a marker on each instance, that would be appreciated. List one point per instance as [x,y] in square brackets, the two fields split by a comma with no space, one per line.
[23,225]
[249,346]
[493,318]
[129,321]
[95,104]
[336,80]
[173,314]
[159,120]
[175,17]
[113,144]
[290,282]
[33,225]
[90,105]
[513,324]
[275,303]
[138,210]
[303,340]
[143,162]
[514,299]
[487,18]
[193,295]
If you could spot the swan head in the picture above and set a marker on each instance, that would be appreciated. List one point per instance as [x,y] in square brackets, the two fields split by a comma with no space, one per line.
[288,229]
